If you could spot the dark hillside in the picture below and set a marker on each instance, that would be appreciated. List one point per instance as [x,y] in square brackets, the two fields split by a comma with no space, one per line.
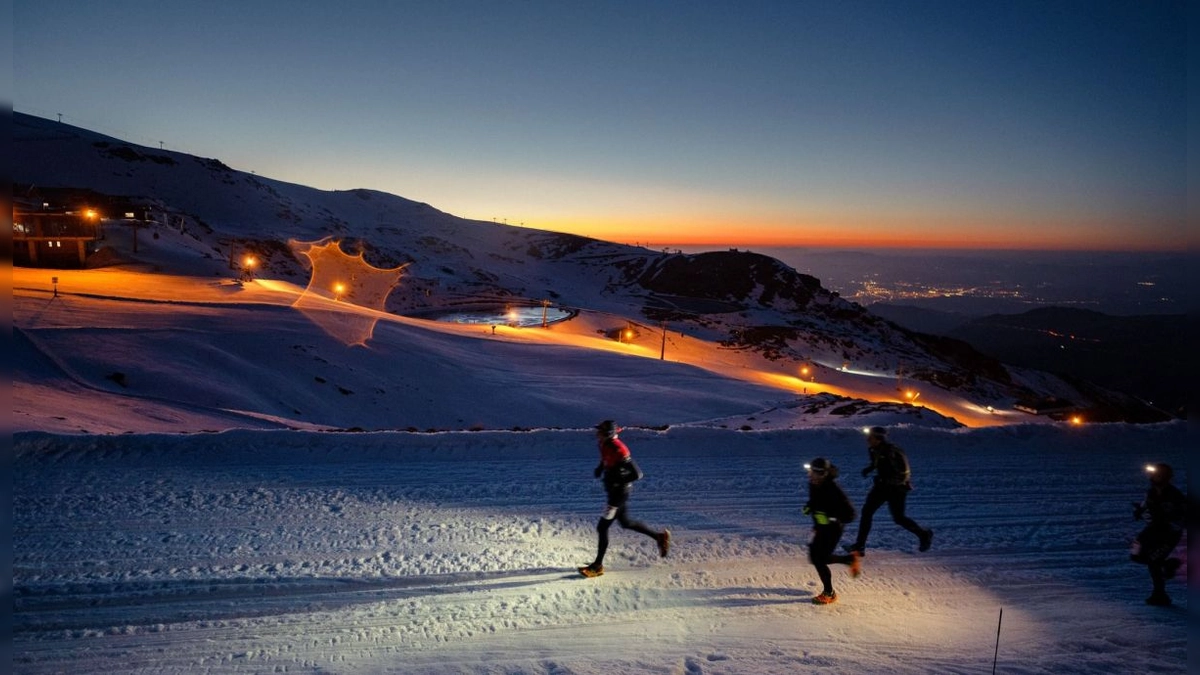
[1146,356]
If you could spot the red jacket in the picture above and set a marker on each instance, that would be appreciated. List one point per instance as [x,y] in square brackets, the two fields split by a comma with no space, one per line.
[616,465]
[612,452]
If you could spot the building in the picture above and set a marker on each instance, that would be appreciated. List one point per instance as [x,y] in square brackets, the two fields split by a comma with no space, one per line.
[61,227]
[54,239]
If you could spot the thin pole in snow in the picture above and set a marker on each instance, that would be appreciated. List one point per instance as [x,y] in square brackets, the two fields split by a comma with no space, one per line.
[997,654]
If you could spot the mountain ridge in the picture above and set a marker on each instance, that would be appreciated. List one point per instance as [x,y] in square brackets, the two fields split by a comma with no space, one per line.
[205,212]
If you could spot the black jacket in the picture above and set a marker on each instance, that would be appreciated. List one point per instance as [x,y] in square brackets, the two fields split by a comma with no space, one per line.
[828,504]
[891,465]
[1165,506]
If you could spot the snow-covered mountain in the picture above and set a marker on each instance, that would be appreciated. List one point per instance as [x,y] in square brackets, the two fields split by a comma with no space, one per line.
[283,542]
[202,213]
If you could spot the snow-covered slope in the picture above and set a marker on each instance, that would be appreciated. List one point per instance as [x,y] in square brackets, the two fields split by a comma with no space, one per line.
[735,304]
[286,551]
[245,476]
[120,350]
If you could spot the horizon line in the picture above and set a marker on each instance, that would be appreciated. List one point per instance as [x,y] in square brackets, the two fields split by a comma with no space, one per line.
[860,246]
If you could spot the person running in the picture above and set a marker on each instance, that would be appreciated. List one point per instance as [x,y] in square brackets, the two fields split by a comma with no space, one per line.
[893,481]
[619,472]
[1166,509]
[830,509]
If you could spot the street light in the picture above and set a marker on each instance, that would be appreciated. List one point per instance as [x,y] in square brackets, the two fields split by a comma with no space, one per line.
[249,262]
[338,289]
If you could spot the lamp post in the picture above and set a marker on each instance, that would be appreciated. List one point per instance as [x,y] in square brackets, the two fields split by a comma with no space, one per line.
[248,264]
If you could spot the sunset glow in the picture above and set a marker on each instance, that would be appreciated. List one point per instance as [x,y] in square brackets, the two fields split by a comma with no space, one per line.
[967,125]
[878,233]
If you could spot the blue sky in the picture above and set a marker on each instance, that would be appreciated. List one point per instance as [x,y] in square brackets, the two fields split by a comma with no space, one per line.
[1010,124]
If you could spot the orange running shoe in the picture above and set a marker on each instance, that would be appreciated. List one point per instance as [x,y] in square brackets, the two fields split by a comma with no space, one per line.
[825,598]
[592,570]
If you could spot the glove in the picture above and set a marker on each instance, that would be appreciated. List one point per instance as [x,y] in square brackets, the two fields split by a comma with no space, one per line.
[821,518]
[807,510]
[866,472]
[599,471]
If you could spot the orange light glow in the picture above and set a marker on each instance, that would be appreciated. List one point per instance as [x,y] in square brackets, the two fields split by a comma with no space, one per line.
[1076,420]
[867,230]
[249,261]
[91,214]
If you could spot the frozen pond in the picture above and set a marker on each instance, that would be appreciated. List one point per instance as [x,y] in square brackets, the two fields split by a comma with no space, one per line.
[507,316]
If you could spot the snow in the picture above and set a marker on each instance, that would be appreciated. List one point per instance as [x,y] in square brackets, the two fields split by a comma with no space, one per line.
[286,551]
[188,497]
[267,349]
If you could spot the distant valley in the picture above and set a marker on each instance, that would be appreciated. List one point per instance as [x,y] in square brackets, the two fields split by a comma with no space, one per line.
[1146,356]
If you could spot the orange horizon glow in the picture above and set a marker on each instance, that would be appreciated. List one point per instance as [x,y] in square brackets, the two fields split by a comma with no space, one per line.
[899,234]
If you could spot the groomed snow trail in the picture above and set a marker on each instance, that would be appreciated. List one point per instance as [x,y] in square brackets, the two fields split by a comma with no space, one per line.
[251,552]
